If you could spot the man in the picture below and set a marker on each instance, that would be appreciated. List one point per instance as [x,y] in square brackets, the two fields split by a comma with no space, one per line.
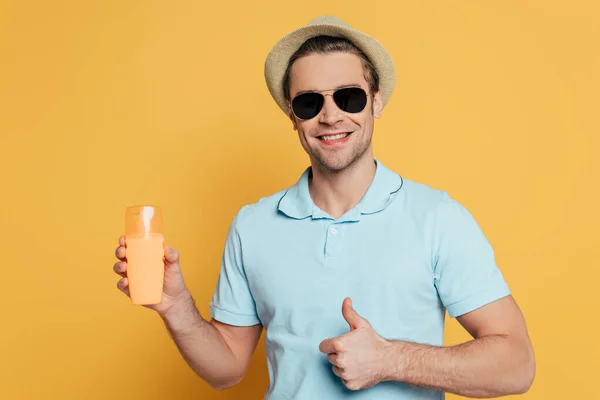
[350,270]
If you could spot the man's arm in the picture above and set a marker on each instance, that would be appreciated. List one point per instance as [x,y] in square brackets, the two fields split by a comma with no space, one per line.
[219,353]
[499,360]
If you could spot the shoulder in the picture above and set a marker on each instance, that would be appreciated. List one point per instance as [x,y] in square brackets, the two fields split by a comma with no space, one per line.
[441,213]
[433,207]
[423,199]
[260,212]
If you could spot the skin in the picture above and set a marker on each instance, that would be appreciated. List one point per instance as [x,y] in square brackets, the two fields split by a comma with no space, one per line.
[498,361]
[219,353]
[343,172]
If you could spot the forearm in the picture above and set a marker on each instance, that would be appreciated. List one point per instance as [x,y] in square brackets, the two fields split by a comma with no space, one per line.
[202,346]
[489,366]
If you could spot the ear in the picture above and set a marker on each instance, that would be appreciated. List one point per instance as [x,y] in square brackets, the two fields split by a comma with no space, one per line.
[377,104]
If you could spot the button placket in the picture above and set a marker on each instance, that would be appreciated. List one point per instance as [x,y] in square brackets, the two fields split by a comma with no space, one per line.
[333,244]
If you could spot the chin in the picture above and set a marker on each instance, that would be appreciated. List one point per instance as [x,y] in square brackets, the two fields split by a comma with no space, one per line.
[335,164]
[337,160]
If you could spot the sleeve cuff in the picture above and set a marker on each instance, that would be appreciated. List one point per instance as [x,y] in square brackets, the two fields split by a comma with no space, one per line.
[230,318]
[478,300]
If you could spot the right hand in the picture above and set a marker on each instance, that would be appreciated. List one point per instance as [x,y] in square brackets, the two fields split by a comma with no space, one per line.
[174,289]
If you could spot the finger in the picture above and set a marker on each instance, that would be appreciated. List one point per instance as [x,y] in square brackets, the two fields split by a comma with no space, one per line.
[120,253]
[122,241]
[333,359]
[121,268]
[171,255]
[337,371]
[333,345]
[351,316]
[123,285]
[326,346]
[352,385]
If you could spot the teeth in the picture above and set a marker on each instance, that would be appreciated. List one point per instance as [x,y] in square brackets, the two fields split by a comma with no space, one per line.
[335,137]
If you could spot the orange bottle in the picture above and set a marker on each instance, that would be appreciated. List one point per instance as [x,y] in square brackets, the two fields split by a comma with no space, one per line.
[144,252]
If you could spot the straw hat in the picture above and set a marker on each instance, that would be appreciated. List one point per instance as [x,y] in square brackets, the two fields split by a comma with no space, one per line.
[278,58]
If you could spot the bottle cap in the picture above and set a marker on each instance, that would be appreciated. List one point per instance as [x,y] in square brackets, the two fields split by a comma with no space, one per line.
[143,220]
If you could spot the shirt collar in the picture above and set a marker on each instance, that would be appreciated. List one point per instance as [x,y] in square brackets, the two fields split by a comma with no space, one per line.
[297,203]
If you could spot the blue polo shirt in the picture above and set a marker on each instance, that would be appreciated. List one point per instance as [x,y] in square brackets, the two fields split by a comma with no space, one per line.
[405,254]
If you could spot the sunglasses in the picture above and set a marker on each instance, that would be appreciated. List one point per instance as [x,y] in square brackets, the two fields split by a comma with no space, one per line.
[308,105]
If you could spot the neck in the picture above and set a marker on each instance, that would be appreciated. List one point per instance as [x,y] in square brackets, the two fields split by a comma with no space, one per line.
[337,192]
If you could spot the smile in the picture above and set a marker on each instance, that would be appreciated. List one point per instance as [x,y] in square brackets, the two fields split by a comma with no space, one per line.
[337,136]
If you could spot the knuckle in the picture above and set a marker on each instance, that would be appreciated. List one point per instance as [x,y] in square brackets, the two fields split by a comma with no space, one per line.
[122,284]
[337,345]
[351,384]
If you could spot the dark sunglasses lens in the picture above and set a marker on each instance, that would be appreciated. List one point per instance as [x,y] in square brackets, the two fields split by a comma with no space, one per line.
[351,100]
[307,105]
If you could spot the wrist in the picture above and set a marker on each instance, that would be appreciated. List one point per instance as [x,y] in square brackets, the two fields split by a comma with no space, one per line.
[181,313]
[395,361]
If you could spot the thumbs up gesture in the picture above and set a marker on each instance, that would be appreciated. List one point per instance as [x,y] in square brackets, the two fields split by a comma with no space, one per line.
[359,357]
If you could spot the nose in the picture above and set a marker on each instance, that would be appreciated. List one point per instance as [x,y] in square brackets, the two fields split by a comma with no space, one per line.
[330,114]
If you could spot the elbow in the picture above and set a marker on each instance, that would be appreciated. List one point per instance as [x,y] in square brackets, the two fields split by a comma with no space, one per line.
[222,386]
[527,379]
[526,374]
[522,385]
[225,384]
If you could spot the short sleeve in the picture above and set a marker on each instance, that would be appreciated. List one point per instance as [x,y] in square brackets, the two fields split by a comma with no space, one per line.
[232,301]
[465,270]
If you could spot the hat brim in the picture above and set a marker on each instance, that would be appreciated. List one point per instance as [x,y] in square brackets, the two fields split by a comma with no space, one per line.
[278,58]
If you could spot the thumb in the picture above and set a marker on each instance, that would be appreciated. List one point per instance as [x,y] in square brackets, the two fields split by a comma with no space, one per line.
[171,255]
[351,316]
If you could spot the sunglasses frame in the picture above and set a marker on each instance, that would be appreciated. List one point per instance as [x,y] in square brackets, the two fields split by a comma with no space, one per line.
[322,93]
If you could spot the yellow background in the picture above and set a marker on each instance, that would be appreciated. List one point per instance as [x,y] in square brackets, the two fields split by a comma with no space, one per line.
[112,103]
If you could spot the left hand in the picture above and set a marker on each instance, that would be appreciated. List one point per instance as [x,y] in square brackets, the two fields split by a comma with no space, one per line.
[358,357]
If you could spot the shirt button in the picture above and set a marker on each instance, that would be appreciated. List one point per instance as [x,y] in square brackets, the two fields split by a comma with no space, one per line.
[333,231]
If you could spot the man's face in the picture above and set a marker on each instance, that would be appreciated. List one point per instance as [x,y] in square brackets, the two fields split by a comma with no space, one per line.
[325,73]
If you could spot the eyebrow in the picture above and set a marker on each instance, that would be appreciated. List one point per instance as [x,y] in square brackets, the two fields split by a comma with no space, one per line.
[335,88]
